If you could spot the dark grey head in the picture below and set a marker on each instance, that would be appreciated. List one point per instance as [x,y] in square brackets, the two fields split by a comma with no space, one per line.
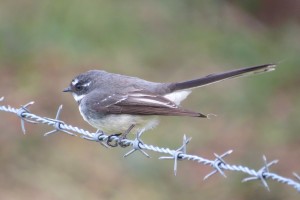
[106,82]
[84,83]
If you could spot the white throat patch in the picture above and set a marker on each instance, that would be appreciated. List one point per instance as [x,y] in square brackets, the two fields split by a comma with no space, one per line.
[78,98]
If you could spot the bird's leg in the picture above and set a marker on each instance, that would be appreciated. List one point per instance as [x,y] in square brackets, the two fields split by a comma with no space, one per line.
[124,136]
[121,136]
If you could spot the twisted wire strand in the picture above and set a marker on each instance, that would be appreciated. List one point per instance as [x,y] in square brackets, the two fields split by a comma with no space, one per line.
[218,164]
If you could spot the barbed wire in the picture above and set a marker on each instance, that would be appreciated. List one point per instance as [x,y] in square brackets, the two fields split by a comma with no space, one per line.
[219,165]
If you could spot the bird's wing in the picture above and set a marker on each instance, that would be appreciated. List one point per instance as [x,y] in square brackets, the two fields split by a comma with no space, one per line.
[140,103]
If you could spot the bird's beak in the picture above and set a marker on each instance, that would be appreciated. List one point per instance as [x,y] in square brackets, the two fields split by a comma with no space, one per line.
[68,89]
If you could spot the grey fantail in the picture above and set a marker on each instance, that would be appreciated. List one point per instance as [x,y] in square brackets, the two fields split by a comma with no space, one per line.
[113,103]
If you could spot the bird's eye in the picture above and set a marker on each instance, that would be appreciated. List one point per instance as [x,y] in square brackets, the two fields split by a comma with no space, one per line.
[78,87]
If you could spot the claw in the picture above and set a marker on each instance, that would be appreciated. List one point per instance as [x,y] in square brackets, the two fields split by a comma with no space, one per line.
[121,137]
[110,140]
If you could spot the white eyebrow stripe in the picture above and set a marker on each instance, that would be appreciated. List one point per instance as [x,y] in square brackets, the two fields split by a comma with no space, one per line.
[75,81]
[87,84]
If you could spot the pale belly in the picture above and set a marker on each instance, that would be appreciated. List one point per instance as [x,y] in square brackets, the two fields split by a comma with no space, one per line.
[120,123]
[112,124]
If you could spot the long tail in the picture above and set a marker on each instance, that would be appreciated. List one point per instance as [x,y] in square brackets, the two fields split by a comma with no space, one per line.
[213,78]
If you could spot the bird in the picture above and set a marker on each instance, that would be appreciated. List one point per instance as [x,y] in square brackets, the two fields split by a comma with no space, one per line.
[118,104]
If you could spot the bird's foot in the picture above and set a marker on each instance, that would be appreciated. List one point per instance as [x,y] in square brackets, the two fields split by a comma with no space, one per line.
[110,142]
[121,137]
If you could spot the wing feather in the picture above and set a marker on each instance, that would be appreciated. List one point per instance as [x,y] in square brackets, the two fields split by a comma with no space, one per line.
[140,103]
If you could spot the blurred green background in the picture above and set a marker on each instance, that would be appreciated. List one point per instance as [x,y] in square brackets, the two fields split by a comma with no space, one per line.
[44,44]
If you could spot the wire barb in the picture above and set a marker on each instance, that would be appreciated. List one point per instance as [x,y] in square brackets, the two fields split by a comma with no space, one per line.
[178,153]
[58,124]
[136,145]
[22,111]
[99,136]
[262,173]
[217,164]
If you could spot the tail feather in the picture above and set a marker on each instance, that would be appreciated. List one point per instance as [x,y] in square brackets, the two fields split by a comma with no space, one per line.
[213,78]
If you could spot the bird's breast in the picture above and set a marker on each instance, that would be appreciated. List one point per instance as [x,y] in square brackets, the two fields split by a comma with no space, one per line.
[117,123]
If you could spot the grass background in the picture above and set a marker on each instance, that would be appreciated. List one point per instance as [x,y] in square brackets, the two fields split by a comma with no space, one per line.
[44,44]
